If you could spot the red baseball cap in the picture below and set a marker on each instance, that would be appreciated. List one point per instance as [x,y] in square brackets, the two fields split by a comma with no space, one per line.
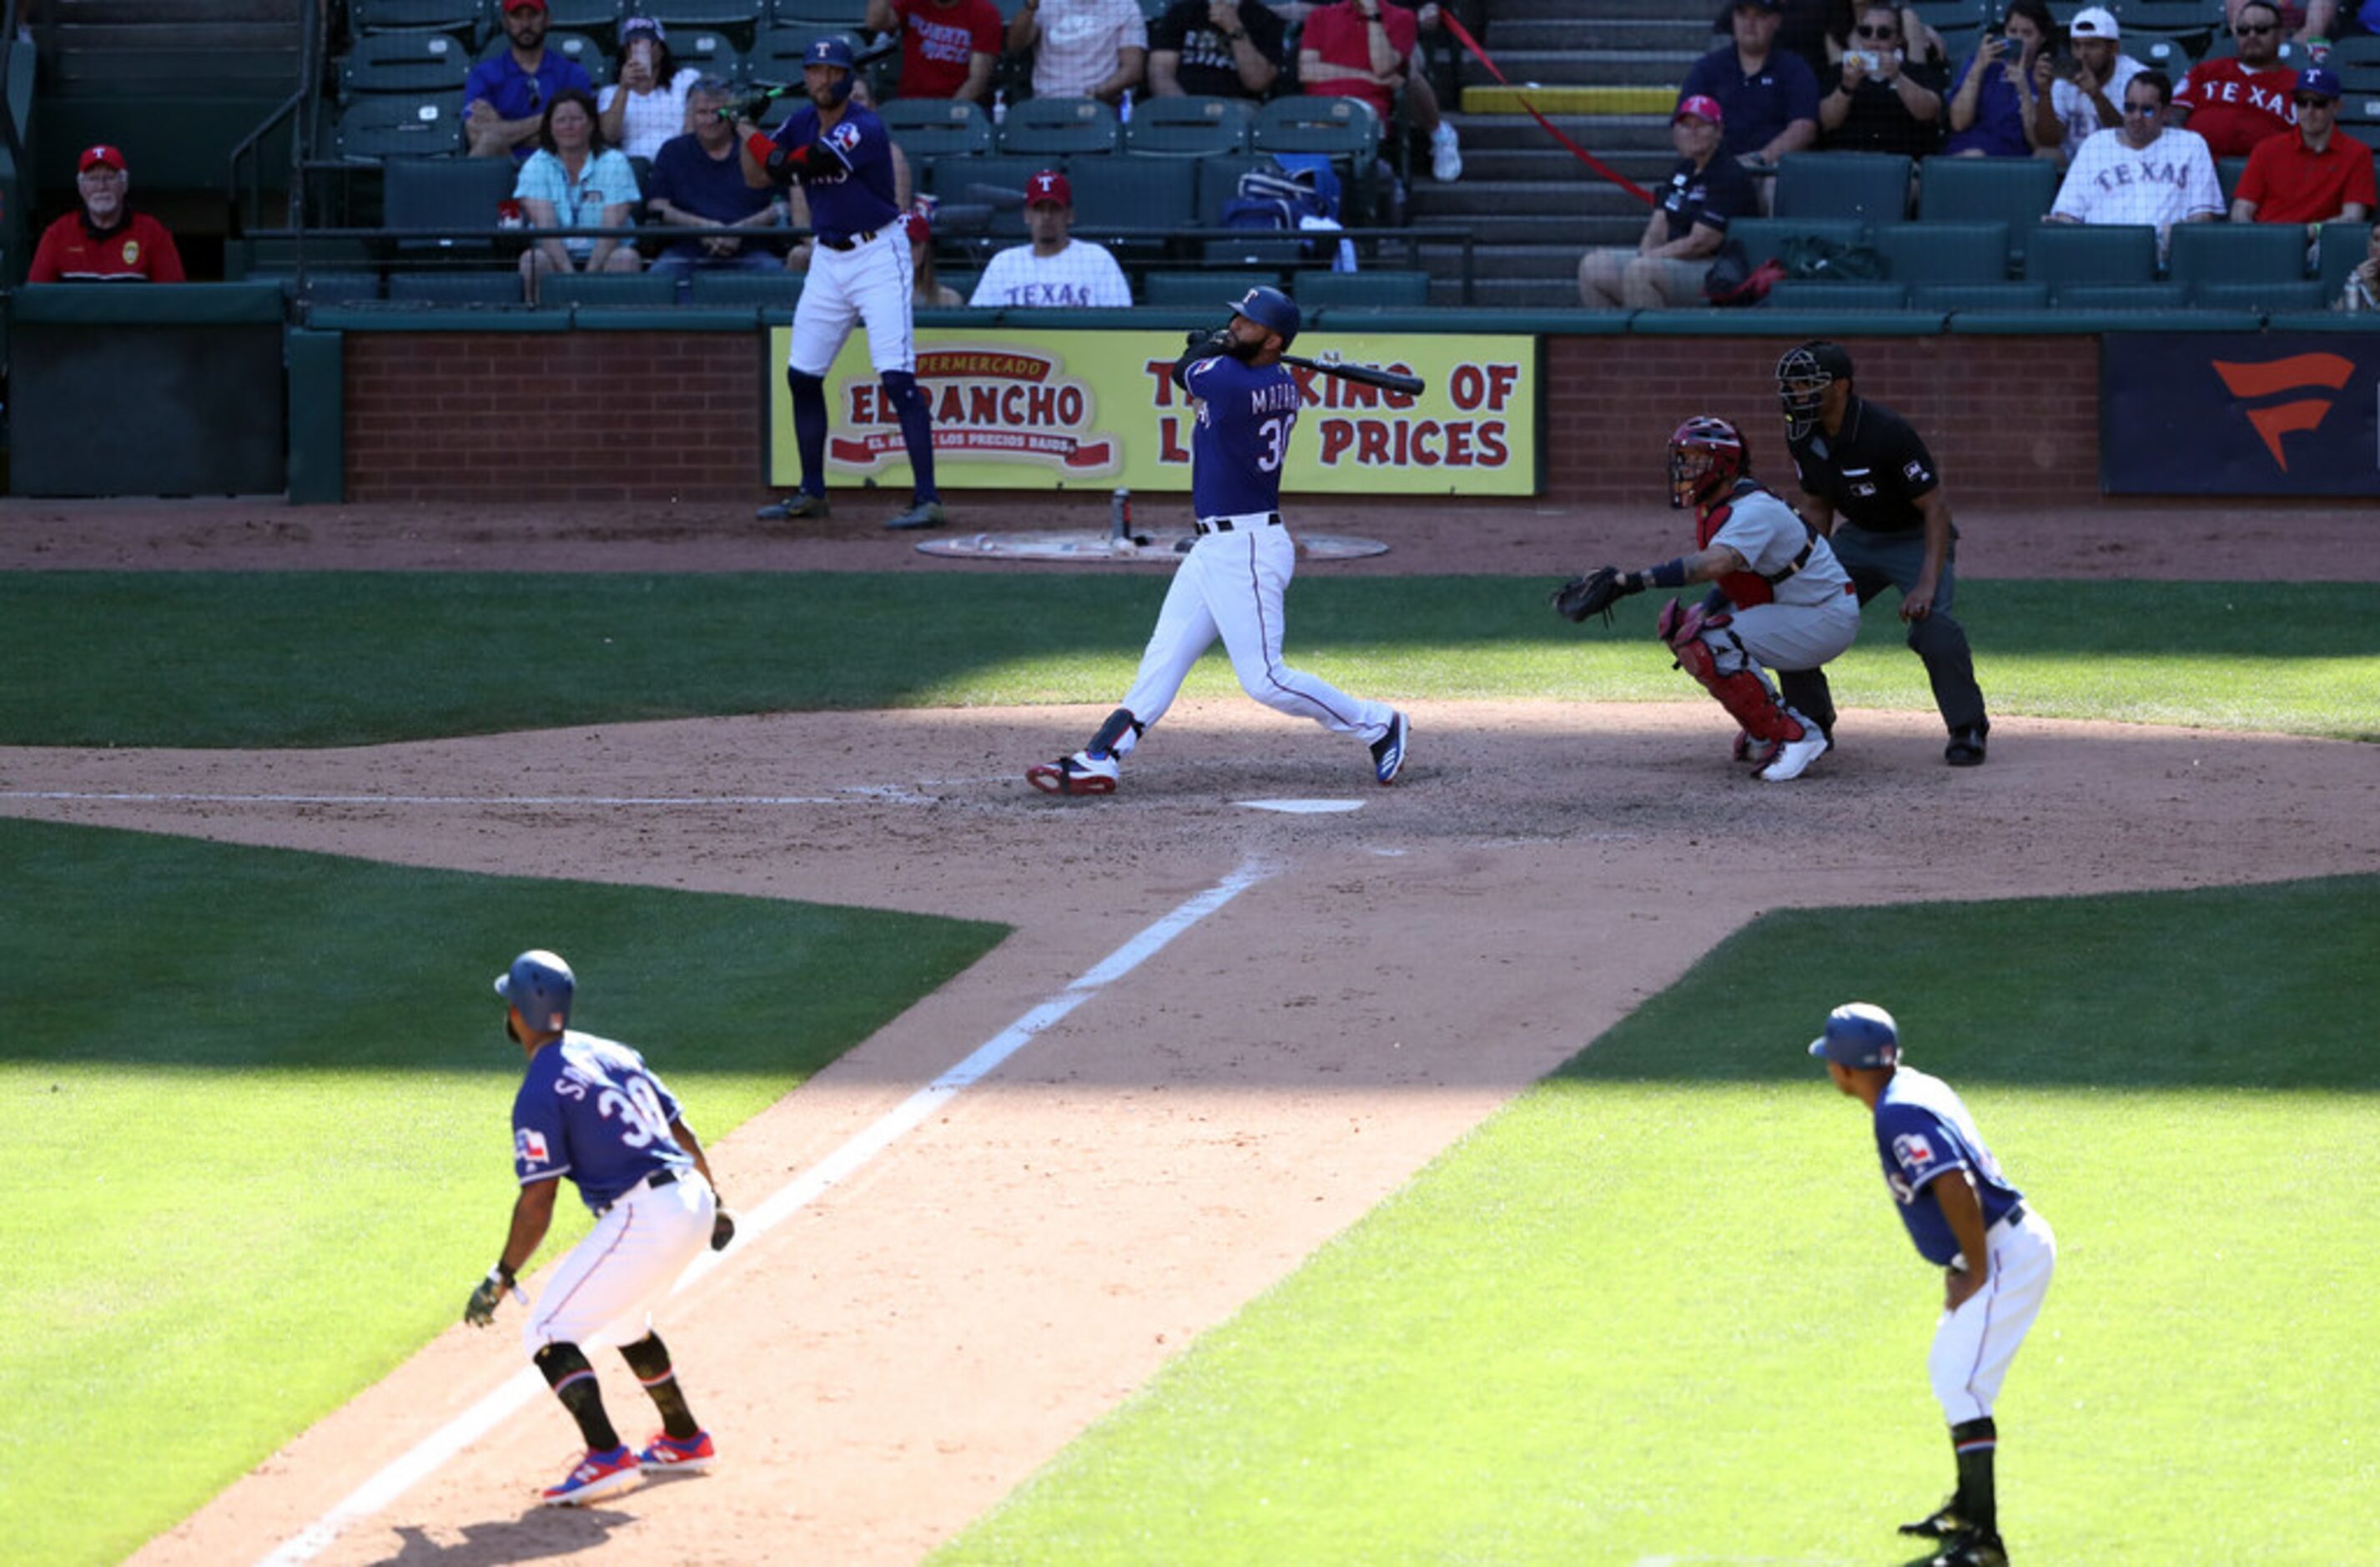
[1049,188]
[103,153]
[1701,108]
[512,5]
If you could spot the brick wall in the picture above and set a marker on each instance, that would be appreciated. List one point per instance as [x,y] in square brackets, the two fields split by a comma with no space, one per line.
[657,415]
[562,416]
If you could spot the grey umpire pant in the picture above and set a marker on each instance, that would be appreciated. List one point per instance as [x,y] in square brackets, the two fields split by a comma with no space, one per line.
[1877,561]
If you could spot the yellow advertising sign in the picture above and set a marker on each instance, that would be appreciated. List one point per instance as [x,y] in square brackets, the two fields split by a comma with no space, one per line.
[1017,410]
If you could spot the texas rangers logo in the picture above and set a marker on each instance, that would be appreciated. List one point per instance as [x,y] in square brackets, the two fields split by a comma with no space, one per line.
[844,137]
[1913,1150]
[531,1147]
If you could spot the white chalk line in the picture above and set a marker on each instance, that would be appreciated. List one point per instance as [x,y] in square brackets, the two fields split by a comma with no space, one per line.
[426,1456]
[869,795]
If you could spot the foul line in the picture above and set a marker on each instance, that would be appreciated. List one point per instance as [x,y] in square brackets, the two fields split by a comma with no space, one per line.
[427,1455]
[855,797]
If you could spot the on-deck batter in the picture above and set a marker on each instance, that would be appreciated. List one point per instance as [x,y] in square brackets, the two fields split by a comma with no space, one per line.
[591,1108]
[1231,583]
[861,271]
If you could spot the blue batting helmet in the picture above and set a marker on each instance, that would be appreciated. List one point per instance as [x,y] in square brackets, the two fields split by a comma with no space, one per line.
[540,986]
[833,51]
[1272,310]
[1859,1034]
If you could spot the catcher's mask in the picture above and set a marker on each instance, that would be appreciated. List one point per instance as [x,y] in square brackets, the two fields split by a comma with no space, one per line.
[834,52]
[540,986]
[1803,377]
[1706,457]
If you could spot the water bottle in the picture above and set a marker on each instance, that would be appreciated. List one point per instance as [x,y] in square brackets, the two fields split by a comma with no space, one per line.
[1000,105]
[1123,109]
[1120,514]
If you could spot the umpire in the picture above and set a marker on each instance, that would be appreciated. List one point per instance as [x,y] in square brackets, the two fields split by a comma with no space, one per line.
[1863,463]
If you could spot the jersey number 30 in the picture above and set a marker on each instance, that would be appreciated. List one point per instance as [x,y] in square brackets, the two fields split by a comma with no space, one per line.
[639,1109]
[1274,434]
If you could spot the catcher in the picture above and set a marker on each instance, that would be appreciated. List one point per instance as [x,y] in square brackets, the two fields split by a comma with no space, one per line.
[1780,600]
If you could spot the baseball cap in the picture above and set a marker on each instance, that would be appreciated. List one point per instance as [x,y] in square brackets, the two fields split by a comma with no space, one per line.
[512,5]
[103,153]
[643,24]
[1858,1034]
[1049,188]
[829,51]
[1701,108]
[2092,21]
[2319,80]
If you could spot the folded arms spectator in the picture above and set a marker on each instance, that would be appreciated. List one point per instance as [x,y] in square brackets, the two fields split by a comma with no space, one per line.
[504,98]
[574,181]
[1706,190]
[948,47]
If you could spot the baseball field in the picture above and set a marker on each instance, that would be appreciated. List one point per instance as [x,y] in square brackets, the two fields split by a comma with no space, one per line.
[1434,1177]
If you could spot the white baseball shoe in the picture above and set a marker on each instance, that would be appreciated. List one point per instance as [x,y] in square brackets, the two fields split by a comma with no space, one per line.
[1795,757]
[1081,774]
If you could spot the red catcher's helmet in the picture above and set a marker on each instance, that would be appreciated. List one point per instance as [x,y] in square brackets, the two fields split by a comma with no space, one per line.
[1706,457]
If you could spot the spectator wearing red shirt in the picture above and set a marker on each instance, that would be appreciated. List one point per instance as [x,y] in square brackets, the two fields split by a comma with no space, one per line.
[948,47]
[2236,102]
[2316,176]
[1366,49]
[107,241]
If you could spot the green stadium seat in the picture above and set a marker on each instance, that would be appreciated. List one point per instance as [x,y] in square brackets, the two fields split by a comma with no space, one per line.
[412,63]
[2342,250]
[454,288]
[1200,288]
[1111,194]
[739,19]
[599,18]
[460,18]
[2363,49]
[938,128]
[1762,238]
[1059,127]
[607,291]
[1359,290]
[995,183]
[768,291]
[1789,295]
[327,287]
[2016,191]
[447,193]
[1336,127]
[1975,298]
[2120,297]
[577,47]
[2227,176]
[1189,128]
[709,50]
[398,126]
[1257,247]
[1944,252]
[2205,253]
[2358,112]
[2065,255]
[2267,296]
[1871,188]
[819,16]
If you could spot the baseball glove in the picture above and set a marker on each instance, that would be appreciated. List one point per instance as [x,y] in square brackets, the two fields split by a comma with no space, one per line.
[1594,594]
[723,1230]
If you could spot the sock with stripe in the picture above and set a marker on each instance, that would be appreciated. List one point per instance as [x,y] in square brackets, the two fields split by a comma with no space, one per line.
[650,1359]
[573,1381]
[1974,1441]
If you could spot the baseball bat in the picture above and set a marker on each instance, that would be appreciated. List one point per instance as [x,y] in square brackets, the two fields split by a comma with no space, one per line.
[1363,375]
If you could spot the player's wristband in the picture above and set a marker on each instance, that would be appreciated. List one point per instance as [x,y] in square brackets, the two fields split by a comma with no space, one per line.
[501,1274]
[1668,574]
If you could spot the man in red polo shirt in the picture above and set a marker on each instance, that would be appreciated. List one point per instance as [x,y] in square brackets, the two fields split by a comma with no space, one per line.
[107,241]
[2236,100]
[2316,176]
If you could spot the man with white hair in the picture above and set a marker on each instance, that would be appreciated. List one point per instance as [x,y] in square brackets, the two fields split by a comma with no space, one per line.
[2091,98]
[107,241]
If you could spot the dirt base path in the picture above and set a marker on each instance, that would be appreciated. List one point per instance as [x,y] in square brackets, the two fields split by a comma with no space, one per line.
[898,1354]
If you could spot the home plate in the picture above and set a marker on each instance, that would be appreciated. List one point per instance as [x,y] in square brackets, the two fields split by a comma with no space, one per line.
[1302,807]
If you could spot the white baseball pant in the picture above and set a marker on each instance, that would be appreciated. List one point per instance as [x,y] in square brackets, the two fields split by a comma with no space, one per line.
[606,1289]
[1974,1345]
[868,284]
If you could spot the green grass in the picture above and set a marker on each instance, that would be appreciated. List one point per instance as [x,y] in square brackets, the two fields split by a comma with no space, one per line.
[328,659]
[1661,1305]
[259,1102]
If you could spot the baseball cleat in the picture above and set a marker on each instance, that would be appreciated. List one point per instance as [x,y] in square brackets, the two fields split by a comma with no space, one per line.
[598,1475]
[924,514]
[799,504]
[673,1455]
[1389,750]
[1939,1524]
[1795,757]
[1966,746]
[1971,1548]
[1078,774]
[1759,753]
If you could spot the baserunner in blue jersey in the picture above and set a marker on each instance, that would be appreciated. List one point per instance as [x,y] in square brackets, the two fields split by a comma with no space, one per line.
[1996,1253]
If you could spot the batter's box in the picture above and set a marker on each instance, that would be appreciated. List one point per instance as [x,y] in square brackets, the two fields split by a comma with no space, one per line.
[1087,548]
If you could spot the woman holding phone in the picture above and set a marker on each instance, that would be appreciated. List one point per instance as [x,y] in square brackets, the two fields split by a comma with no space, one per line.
[2001,105]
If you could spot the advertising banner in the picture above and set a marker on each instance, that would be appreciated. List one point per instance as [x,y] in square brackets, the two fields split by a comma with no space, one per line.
[1017,410]
[2239,414]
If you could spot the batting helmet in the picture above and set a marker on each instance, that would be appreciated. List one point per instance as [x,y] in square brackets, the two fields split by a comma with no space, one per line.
[1272,310]
[831,51]
[1706,457]
[1858,1034]
[1803,376]
[540,986]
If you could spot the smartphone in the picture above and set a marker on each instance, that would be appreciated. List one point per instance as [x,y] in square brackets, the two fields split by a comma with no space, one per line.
[1869,58]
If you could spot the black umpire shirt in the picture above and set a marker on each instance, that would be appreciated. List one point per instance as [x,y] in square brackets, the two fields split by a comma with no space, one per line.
[1873,471]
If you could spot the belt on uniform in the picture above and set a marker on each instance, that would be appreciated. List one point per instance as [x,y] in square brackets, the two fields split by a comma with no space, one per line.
[1226,524]
[654,1182]
[853,243]
[2014,1216]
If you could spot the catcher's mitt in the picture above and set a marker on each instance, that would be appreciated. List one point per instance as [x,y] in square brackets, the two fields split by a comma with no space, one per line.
[1594,594]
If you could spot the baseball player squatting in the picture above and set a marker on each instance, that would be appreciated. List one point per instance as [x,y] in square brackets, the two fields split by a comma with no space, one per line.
[1996,1254]
[1862,462]
[591,1108]
[1779,600]
[1232,582]
[861,271]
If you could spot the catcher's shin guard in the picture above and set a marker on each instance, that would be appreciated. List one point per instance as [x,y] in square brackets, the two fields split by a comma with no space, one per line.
[1744,694]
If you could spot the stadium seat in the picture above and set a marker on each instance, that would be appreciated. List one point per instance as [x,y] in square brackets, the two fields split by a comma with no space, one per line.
[454,288]
[778,52]
[768,291]
[2363,49]
[2266,295]
[2204,253]
[1188,127]
[2016,191]
[1944,252]
[327,287]
[739,19]
[1200,288]
[597,18]
[404,62]
[578,47]
[1337,128]
[2068,255]
[1126,193]
[1789,295]
[1059,127]
[447,193]
[1979,297]
[709,50]
[2120,297]
[1256,247]
[1218,181]
[2342,250]
[1762,238]
[996,182]
[2227,176]
[2359,114]
[817,15]
[397,125]
[1868,187]
[607,291]
[1317,289]
[938,128]
[460,19]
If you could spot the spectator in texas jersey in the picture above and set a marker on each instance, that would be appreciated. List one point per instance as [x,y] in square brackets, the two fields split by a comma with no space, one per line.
[2237,101]
[1216,49]
[948,47]
[2312,20]
[1964,1217]
[1232,582]
[839,152]
[2144,172]
[1708,190]
[504,98]
[647,105]
[1862,462]
[1082,48]
[697,182]
[1369,49]
[1770,97]
[591,1108]
[1055,268]
[2317,175]
[107,241]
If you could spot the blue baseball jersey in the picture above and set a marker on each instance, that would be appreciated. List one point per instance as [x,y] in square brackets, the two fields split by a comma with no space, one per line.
[1923,1132]
[1242,436]
[591,1108]
[851,190]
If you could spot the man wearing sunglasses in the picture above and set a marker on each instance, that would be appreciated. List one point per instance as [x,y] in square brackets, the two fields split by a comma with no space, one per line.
[2316,176]
[2237,101]
[2308,23]
[2144,172]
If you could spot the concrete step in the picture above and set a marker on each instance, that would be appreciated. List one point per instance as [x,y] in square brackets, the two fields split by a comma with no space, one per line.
[1585,11]
[1600,134]
[1483,205]
[1598,67]
[1505,35]
[1551,163]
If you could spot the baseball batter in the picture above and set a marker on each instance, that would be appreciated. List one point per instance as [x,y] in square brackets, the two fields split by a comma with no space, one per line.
[591,1110]
[1996,1257]
[1779,598]
[1232,582]
[861,271]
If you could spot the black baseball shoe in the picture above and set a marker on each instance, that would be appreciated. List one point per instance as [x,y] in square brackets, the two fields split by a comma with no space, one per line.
[1971,1548]
[1940,1524]
[1966,746]
[1389,750]
[921,514]
[800,504]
